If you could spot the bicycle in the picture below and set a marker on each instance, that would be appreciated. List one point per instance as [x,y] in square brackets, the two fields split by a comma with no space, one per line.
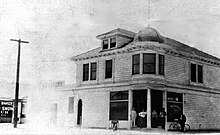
[176,127]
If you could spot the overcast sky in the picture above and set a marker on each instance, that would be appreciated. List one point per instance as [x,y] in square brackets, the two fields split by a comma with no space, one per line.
[60,29]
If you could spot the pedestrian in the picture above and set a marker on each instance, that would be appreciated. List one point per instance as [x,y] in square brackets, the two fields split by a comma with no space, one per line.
[154,116]
[133,117]
[142,117]
[162,117]
[182,121]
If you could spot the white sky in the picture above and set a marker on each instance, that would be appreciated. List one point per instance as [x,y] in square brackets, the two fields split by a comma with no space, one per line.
[60,29]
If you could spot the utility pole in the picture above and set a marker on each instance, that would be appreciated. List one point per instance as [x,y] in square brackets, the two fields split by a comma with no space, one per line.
[17,82]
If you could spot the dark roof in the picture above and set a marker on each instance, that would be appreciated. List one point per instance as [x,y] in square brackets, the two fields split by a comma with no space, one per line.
[182,47]
[89,53]
[176,45]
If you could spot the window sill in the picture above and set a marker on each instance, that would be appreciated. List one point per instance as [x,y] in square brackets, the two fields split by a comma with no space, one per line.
[109,49]
[197,84]
[108,79]
[89,82]
[147,77]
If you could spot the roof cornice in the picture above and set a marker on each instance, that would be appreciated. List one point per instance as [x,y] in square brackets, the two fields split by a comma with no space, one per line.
[161,49]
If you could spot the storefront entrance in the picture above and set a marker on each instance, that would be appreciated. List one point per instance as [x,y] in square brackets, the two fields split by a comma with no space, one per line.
[156,107]
[139,104]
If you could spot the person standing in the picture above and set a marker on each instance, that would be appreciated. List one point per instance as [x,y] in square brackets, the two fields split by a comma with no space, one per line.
[133,117]
[142,116]
[182,121]
[162,118]
[154,116]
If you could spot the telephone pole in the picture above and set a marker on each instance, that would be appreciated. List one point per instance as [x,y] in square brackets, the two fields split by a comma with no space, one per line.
[17,82]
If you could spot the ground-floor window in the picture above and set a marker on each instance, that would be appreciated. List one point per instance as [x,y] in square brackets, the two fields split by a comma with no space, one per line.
[71,105]
[174,106]
[6,111]
[119,105]
[54,107]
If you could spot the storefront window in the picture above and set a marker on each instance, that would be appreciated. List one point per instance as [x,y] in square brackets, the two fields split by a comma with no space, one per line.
[119,95]
[174,106]
[119,105]
[119,110]
[6,109]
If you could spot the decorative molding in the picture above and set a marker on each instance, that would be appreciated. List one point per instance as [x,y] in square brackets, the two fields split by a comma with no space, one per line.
[151,84]
[168,51]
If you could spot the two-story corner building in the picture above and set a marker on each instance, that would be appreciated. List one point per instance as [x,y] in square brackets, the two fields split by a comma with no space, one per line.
[146,70]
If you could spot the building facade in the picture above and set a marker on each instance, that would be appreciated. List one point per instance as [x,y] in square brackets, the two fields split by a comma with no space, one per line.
[7,102]
[145,70]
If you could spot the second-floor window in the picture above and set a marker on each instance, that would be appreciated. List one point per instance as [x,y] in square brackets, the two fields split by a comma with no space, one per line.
[85,72]
[196,73]
[161,64]
[93,71]
[136,64]
[89,71]
[149,63]
[200,74]
[108,69]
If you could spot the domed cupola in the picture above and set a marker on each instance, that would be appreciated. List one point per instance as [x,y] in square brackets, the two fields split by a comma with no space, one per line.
[148,34]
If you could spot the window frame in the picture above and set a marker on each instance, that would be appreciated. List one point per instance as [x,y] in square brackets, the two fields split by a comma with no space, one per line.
[119,101]
[113,43]
[154,64]
[104,45]
[161,66]
[135,64]
[198,75]
[85,72]
[93,71]
[173,102]
[193,74]
[71,105]
[108,70]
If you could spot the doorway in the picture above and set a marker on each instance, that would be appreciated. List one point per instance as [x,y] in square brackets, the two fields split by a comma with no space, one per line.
[156,106]
[140,103]
[79,114]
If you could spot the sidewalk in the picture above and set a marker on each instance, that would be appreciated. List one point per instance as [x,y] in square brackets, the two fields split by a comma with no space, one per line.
[24,129]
